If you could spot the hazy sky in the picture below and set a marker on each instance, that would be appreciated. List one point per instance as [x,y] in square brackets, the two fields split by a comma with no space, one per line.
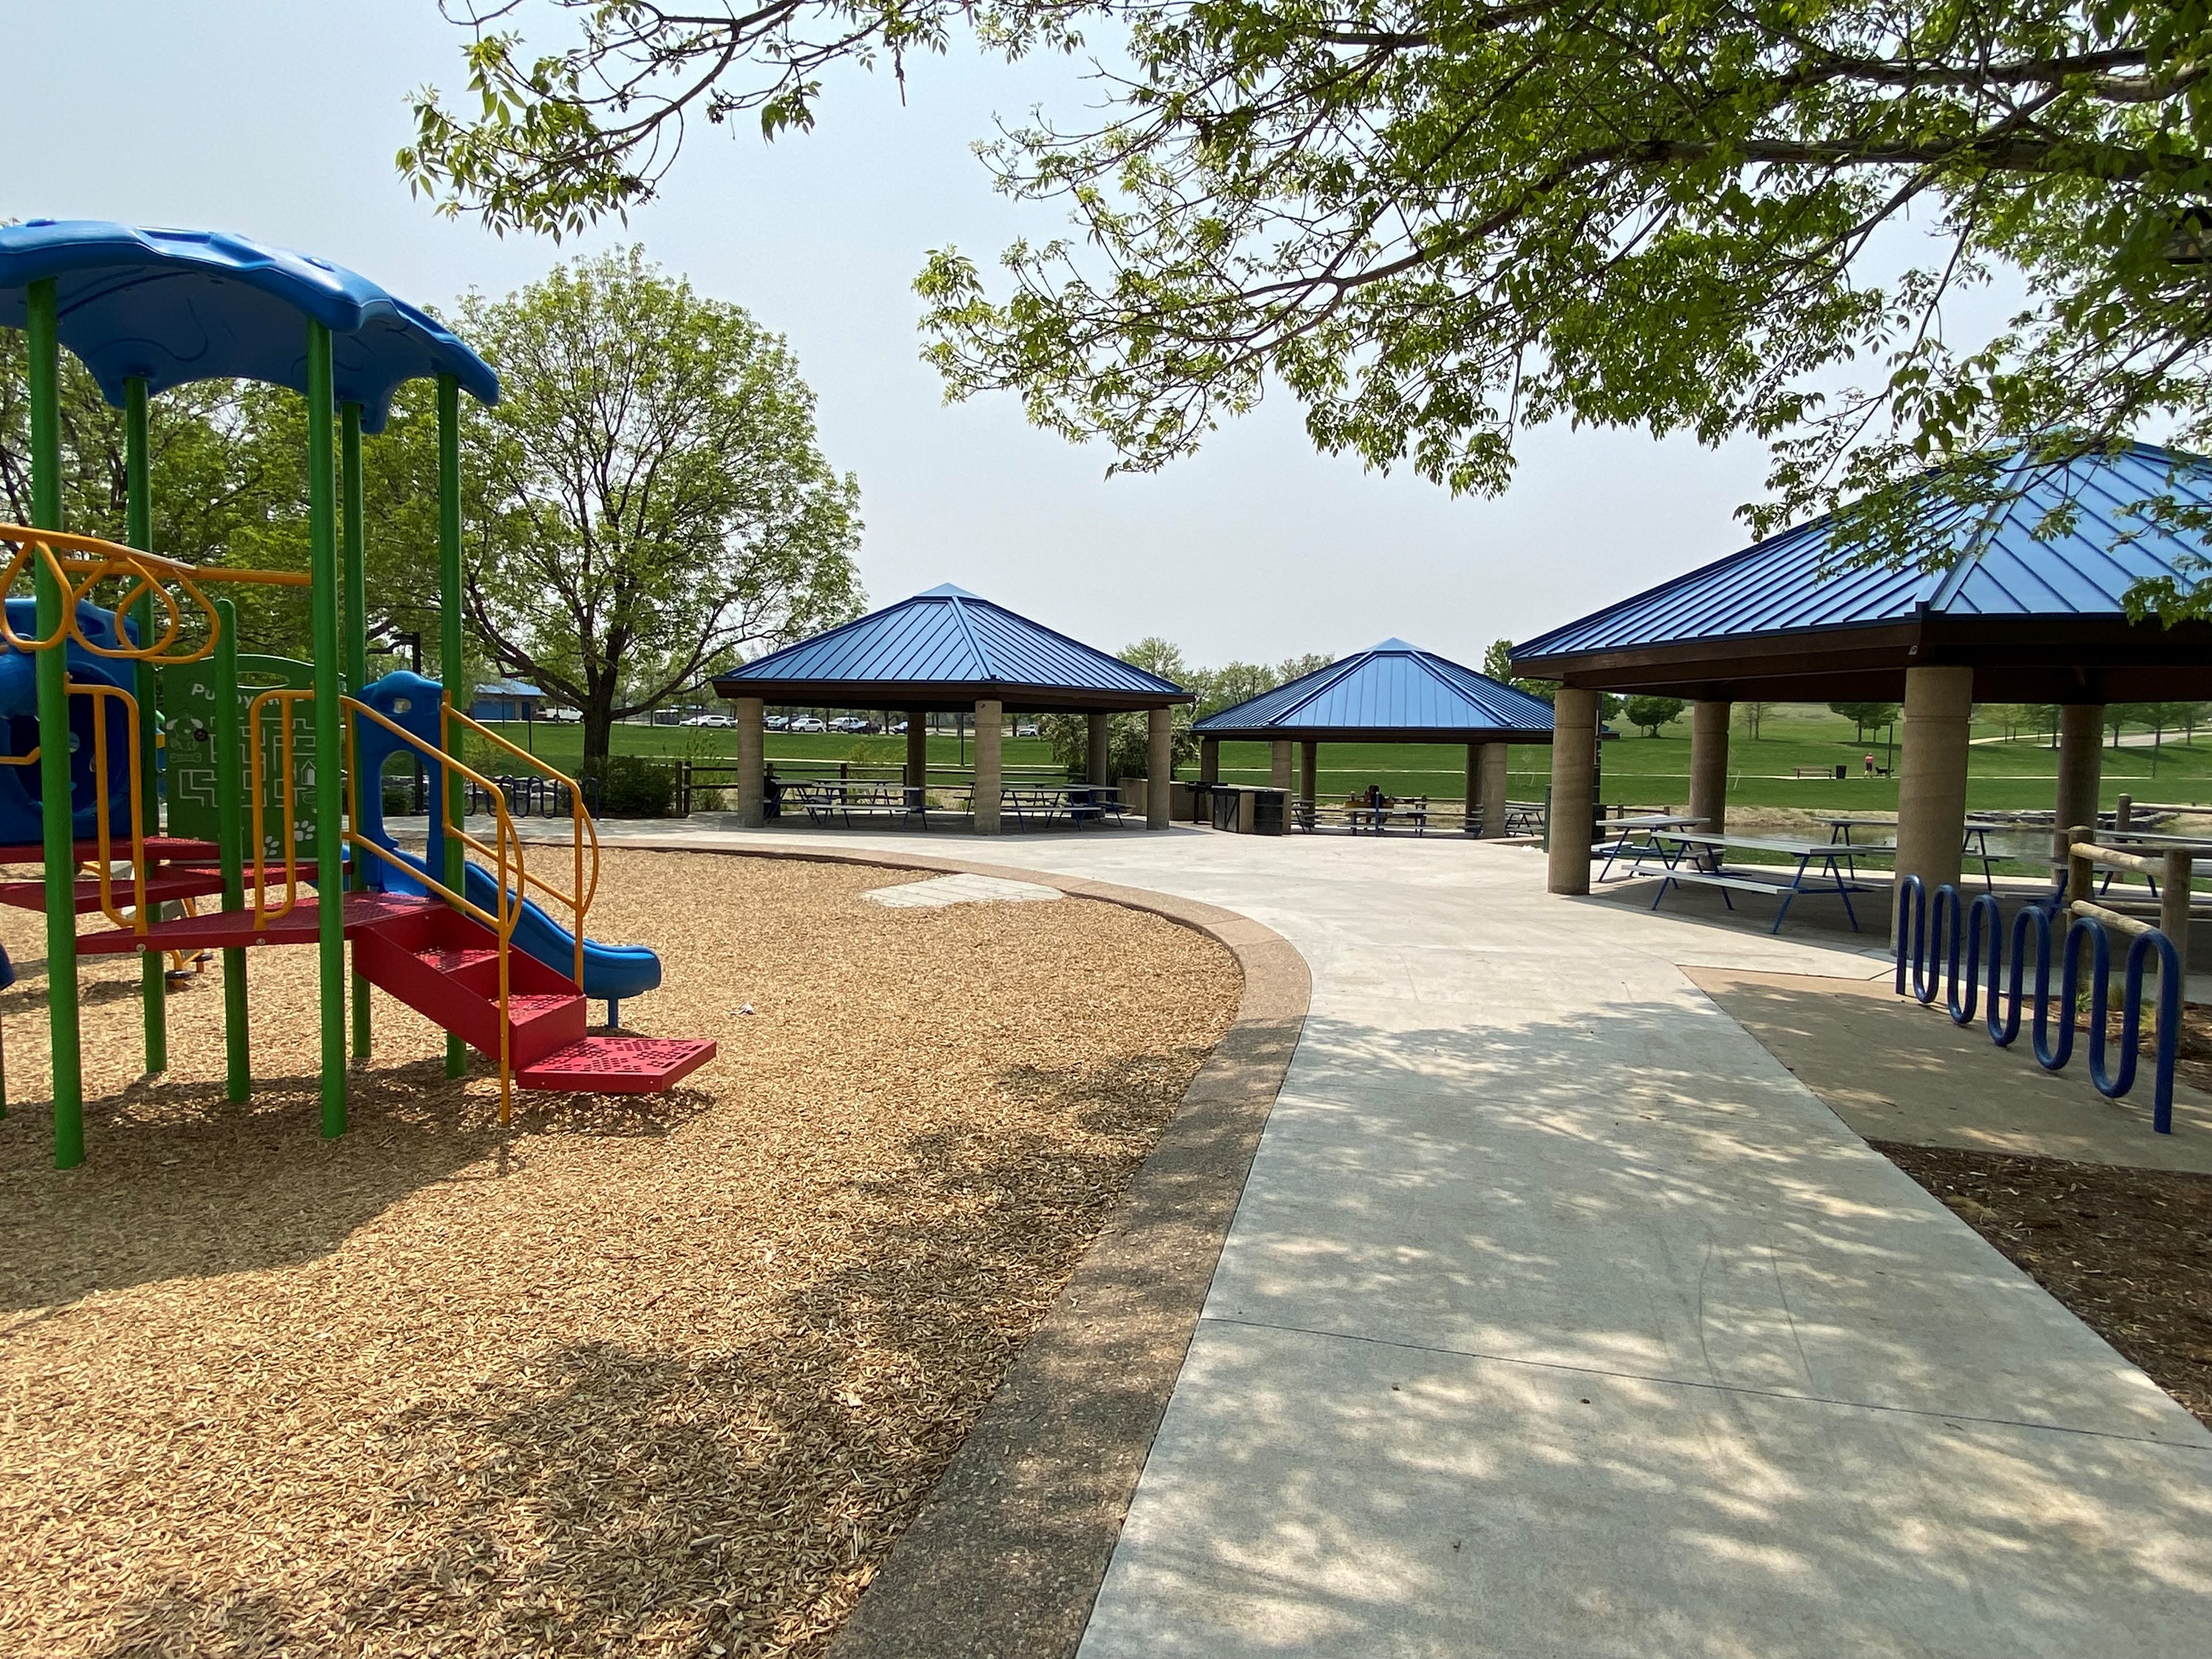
[278,119]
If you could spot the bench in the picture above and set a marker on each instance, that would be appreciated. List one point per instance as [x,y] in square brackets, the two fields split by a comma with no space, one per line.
[1311,815]
[1811,771]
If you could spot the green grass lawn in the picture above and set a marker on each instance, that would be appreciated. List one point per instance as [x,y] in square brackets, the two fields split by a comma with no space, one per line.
[1645,771]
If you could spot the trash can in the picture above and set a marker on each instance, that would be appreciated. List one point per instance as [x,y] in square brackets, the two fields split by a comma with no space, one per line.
[1841,770]
[1225,806]
[1267,810]
[1202,803]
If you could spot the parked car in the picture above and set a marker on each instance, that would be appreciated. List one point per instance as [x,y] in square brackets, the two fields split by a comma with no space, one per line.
[1026,729]
[851,723]
[561,715]
[806,723]
[778,722]
[711,720]
[897,728]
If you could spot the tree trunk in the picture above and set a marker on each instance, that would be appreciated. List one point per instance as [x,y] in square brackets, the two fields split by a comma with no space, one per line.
[598,713]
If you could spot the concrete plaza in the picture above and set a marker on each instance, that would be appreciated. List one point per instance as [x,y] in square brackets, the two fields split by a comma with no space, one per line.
[1558,1318]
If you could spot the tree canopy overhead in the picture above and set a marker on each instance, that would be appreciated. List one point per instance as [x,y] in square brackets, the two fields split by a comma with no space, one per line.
[1436,222]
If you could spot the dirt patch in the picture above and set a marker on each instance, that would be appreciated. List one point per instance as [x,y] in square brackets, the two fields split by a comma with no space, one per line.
[661,1376]
[2129,1250]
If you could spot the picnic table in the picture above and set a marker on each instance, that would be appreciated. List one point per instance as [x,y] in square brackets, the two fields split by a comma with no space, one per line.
[1636,838]
[1821,868]
[1973,847]
[1414,810]
[833,801]
[1048,803]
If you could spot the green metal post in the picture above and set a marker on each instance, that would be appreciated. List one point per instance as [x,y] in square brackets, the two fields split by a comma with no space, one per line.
[329,775]
[138,518]
[355,541]
[42,323]
[230,843]
[449,631]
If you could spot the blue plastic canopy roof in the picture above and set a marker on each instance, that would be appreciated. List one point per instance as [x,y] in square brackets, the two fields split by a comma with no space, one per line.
[1392,691]
[177,306]
[1793,584]
[947,646]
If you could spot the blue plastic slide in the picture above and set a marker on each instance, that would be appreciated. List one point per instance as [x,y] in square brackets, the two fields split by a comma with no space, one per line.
[409,701]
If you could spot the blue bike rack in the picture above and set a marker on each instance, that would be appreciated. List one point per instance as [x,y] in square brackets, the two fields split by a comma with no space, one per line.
[1930,956]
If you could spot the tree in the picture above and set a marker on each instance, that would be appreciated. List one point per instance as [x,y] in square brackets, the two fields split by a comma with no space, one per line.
[655,501]
[1437,224]
[1864,715]
[1753,714]
[1498,663]
[1648,715]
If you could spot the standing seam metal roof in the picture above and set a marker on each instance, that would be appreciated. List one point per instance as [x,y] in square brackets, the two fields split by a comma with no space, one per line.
[950,637]
[1393,687]
[1785,585]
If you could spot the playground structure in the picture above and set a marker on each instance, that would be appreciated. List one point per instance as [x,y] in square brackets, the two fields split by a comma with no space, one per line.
[119,668]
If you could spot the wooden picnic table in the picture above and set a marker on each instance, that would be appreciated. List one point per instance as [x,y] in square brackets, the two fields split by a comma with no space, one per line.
[1821,868]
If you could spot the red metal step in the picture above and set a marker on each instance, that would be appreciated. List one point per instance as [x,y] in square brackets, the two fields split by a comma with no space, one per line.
[617,1065]
[298,926]
[161,886]
[445,966]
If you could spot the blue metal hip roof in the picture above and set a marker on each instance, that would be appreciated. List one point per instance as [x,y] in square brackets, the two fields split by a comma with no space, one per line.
[1793,582]
[1392,687]
[950,637]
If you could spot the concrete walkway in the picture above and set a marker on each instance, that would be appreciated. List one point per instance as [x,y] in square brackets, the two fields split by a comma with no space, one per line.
[1558,1318]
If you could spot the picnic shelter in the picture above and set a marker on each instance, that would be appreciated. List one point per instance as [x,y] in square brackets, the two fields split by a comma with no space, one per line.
[2030,606]
[947,651]
[1392,693]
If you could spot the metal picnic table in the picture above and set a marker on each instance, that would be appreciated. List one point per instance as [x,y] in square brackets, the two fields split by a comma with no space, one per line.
[1048,803]
[1822,867]
[1637,838]
[1973,847]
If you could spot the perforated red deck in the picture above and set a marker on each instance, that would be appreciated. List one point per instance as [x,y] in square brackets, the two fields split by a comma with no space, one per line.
[618,1065]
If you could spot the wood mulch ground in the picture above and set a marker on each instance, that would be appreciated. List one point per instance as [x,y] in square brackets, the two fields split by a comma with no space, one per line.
[2129,1250]
[656,1375]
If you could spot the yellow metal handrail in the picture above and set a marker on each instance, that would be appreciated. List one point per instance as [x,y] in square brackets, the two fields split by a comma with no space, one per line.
[584,831]
[102,828]
[282,695]
[80,563]
[508,905]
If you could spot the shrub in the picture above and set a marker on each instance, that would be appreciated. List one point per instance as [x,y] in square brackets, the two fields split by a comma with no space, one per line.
[631,786]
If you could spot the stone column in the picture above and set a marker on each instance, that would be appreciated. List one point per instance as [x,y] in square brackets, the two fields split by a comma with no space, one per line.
[1099,754]
[1709,738]
[1279,766]
[1475,788]
[1159,783]
[752,750]
[1309,771]
[1209,760]
[1494,758]
[917,751]
[1574,754]
[990,714]
[2080,770]
[1931,789]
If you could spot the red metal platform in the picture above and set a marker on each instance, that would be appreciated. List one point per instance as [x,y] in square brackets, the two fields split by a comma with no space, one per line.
[225,928]
[160,849]
[161,886]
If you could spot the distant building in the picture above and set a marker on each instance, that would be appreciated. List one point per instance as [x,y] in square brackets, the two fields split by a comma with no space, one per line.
[505,699]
